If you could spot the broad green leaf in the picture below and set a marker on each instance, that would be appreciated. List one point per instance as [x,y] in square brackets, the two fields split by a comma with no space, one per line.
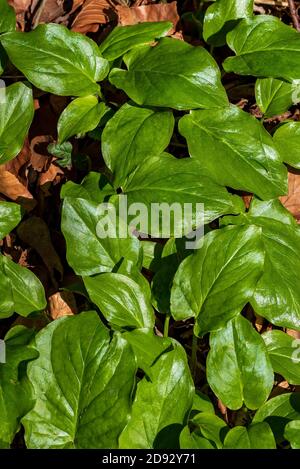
[164,184]
[57,60]
[277,412]
[124,38]
[82,383]
[202,403]
[210,426]
[132,135]
[3,63]
[121,300]
[264,47]
[20,290]
[152,252]
[10,217]
[284,353]
[274,97]
[287,139]
[63,153]
[161,402]
[222,16]
[216,288]
[235,150]
[257,436]
[95,187]
[16,397]
[15,119]
[8,17]
[80,116]
[193,440]
[147,347]
[172,74]
[292,433]
[237,373]
[87,252]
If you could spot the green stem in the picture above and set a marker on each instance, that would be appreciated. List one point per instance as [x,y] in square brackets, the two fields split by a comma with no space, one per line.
[166,325]
[194,354]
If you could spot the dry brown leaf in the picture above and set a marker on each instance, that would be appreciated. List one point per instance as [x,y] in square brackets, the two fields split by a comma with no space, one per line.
[35,232]
[51,176]
[292,333]
[47,11]
[62,304]
[20,6]
[155,12]
[40,161]
[292,200]
[11,187]
[92,14]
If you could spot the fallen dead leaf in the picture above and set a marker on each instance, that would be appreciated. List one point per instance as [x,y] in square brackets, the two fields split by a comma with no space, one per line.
[155,12]
[292,200]
[62,304]
[40,161]
[292,333]
[92,14]
[11,187]
[53,175]
[280,388]
[35,232]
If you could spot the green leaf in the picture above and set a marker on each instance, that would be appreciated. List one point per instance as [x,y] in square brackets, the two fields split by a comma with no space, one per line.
[193,440]
[87,253]
[257,436]
[124,38]
[292,433]
[83,401]
[168,180]
[147,348]
[222,16]
[216,288]
[202,403]
[121,300]
[57,60]
[274,97]
[287,139]
[236,150]
[80,116]
[210,426]
[95,187]
[20,290]
[16,398]
[172,74]
[8,17]
[133,135]
[153,408]
[152,252]
[10,217]
[15,119]
[284,354]
[264,47]
[239,374]
[277,412]
[62,151]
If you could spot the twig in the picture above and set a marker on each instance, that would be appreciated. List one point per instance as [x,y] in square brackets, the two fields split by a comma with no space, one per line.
[294,14]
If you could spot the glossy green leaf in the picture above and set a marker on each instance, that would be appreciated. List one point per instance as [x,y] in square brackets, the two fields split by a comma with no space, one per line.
[264,47]
[172,74]
[80,116]
[124,38]
[169,180]
[132,135]
[237,438]
[202,403]
[151,255]
[239,374]
[222,16]
[153,409]
[284,354]
[274,97]
[15,119]
[211,427]
[95,187]
[236,150]
[20,290]
[10,217]
[121,300]
[147,348]
[216,288]
[16,397]
[8,17]
[279,411]
[257,436]
[63,153]
[292,433]
[287,139]
[88,253]
[194,440]
[83,401]
[57,60]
